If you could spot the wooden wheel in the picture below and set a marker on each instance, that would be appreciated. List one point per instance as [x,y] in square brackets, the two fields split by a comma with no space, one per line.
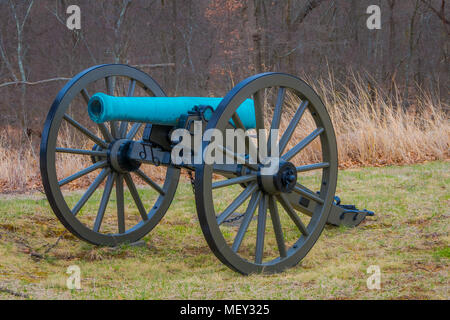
[77,152]
[252,242]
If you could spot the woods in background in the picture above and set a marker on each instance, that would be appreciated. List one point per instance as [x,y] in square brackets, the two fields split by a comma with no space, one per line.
[206,47]
[386,89]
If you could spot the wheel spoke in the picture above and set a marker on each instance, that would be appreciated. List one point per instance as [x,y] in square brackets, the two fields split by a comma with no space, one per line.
[104,202]
[152,183]
[114,129]
[276,118]
[82,152]
[133,131]
[226,170]
[123,129]
[232,181]
[238,158]
[311,167]
[278,108]
[85,95]
[105,132]
[131,88]
[292,125]
[273,208]
[120,204]
[110,84]
[250,147]
[135,195]
[237,203]
[83,172]
[307,193]
[248,216]
[90,191]
[261,231]
[302,144]
[85,131]
[259,119]
[124,124]
[259,110]
[237,121]
[292,214]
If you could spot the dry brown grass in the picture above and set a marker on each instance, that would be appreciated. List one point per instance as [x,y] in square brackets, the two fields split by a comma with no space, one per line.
[371,130]
[19,164]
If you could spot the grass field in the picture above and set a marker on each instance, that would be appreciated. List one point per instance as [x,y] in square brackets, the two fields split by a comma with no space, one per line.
[408,239]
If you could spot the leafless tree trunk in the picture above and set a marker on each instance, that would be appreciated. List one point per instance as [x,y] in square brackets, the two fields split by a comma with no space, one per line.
[20,56]
[121,47]
[173,46]
[254,8]
[411,47]
[391,46]
[294,22]
[439,13]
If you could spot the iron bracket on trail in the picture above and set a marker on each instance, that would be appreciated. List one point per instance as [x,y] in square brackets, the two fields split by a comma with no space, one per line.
[347,215]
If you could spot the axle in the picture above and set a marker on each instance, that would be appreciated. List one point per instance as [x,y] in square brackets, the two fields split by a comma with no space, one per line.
[282,181]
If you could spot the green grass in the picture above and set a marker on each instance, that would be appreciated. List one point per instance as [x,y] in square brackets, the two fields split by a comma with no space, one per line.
[408,238]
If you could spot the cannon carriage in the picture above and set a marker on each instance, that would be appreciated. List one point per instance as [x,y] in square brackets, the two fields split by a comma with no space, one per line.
[119,121]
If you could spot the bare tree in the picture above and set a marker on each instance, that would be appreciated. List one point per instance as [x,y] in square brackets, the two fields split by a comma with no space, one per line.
[120,47]
[18,73]
[440,13]
[411,47]
[294,18]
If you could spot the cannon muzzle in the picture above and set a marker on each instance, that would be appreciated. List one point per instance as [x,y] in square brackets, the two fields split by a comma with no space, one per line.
[157,110]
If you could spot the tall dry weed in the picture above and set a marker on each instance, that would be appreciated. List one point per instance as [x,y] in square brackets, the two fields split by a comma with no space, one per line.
[375,129]
[372,129]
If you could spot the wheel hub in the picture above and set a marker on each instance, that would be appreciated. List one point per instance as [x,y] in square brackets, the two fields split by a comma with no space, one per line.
[118,157]
[282,181]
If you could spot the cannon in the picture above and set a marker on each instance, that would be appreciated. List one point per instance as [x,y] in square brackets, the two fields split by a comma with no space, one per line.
[116,125]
